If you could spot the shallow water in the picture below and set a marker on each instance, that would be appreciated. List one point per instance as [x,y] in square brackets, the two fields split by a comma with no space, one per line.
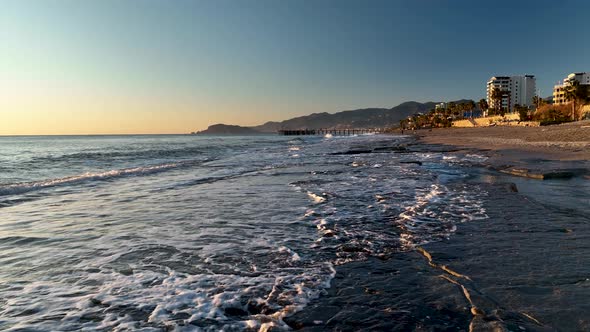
[188,233]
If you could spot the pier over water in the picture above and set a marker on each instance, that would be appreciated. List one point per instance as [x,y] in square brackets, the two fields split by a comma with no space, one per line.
[334,132]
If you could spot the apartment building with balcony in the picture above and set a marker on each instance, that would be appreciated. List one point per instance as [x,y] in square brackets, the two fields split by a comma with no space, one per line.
[559,89]
[518,90]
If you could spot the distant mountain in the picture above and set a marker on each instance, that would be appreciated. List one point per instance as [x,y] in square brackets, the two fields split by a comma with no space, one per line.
[223,129]
[360,118]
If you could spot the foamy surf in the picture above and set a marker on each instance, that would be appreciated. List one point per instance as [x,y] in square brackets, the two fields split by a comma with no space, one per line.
[436,212]
[20,188]
[151,299]
[316,198]
[240,242]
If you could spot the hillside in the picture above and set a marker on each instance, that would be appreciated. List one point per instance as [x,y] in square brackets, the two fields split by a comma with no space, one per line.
[360,118]
[223,129]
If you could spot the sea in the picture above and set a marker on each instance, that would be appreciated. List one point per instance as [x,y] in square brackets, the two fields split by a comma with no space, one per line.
[278,233]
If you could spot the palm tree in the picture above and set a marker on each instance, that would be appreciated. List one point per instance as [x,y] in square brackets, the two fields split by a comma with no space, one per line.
[523,112]
[451,108]
[470,107]
[538,101]
[461,108]
[483,105]
[577,94]
[496,97]
[466,107]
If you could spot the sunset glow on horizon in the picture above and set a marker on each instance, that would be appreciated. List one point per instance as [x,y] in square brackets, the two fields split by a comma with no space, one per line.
[155,67]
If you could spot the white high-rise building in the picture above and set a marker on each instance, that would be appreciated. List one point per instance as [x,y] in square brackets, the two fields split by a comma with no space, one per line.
[559,89]
[520,90]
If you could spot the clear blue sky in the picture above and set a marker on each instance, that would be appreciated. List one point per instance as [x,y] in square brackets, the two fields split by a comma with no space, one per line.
[174,66]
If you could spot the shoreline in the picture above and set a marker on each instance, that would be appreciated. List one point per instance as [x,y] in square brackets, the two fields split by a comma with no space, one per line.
[561,151]
[568,141]
[514,270]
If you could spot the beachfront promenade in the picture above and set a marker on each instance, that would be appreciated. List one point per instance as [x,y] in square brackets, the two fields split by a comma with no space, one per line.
[334,132]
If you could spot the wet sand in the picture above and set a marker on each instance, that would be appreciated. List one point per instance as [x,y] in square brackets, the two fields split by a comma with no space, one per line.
[570,141]
[525,268]
[512,272]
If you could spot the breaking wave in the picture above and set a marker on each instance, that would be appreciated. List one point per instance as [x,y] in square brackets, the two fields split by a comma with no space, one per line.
[21,188]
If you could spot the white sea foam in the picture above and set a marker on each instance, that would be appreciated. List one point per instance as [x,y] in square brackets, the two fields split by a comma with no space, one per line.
[308,213]
[178,298]
[190,260]
[20,188]
[435,213]
[294,256]
[316,198]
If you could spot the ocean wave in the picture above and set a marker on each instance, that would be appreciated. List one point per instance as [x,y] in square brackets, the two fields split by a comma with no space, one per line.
[21,240]
[388,207]
[158,296]
[160,153]
[436,212]
[24,187]
[213,179]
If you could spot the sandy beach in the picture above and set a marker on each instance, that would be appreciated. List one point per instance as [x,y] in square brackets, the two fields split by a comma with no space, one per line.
[566,142]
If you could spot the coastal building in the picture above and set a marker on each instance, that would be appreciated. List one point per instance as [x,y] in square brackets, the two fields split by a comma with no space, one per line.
[559,89]
[442,105]
[517,90]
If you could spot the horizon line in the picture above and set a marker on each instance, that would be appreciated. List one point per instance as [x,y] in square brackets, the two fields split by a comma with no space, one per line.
[32,135]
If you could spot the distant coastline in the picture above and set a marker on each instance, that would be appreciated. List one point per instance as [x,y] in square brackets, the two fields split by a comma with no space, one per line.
[352,119]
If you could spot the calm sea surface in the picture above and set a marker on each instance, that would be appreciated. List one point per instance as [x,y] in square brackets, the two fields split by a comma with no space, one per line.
[190,233]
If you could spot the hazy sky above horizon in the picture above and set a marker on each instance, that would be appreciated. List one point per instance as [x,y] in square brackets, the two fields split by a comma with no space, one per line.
[114,66]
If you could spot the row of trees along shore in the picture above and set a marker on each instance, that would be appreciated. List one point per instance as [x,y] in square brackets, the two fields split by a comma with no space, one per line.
[440,117]
[577,94]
